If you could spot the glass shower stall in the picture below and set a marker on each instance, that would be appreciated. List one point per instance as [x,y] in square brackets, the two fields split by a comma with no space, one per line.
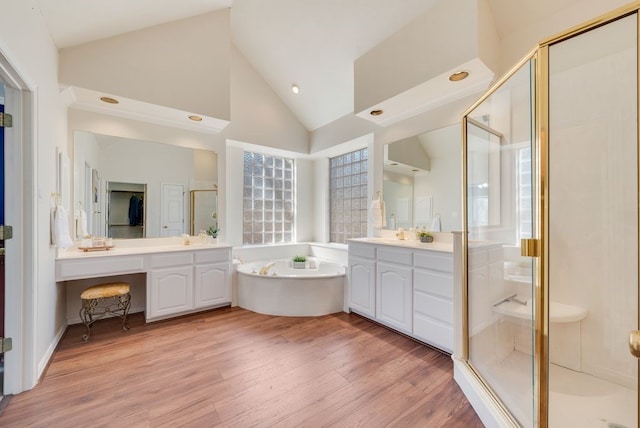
[550,240]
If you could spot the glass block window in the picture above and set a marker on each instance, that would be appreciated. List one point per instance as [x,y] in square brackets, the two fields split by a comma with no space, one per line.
[268,196]
[348,194]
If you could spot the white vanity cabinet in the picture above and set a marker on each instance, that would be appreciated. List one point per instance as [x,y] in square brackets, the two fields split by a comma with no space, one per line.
[184,282]
[394,288]
[404,287]
[212,279]
[169,284]
[362,279]
[433,298]
[180,279]
[170,292]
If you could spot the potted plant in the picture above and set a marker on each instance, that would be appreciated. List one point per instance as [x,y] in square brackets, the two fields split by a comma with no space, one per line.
[213,231]
[425,237]
[299,262]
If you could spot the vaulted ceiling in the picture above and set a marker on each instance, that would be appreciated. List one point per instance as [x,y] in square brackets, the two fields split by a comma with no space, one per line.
[312,43]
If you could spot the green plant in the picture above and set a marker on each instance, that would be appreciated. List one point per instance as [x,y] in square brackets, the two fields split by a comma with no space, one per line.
[213,231]
[300,259]
[423,234]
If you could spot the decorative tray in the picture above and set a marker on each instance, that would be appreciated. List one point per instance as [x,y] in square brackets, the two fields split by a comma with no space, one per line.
[100,248]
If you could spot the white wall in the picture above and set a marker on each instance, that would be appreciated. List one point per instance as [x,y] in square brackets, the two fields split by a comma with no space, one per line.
[26,44]
[192,70]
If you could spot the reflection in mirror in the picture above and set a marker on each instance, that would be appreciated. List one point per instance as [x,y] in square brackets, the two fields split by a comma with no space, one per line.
[204,211]
[125,210]
[483,169]
[427,167]
[151,170]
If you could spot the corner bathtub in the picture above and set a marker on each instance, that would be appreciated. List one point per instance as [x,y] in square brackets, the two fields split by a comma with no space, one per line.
[313,291]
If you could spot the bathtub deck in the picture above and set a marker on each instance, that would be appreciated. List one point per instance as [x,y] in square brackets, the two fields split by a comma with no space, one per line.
[232,367]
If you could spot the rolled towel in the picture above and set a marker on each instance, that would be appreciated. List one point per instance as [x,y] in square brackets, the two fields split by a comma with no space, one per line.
[81,226]
[61,237]
[435,223]
[377,213]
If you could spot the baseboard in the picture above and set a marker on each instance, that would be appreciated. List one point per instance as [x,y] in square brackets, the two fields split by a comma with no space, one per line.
[44,361]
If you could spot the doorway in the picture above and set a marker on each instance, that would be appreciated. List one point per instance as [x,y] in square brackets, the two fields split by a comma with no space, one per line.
[126,210]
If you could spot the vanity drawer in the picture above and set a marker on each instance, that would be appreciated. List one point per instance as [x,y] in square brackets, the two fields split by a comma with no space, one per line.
[212,256]
[171,259]
[436,283]
[395,255]
[433,260]
[359,250]
[98,266]
[433,307]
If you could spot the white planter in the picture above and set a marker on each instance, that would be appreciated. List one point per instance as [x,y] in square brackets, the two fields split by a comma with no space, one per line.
[299,265]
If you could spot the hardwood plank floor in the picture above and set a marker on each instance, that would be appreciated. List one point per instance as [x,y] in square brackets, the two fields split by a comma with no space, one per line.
[235,368]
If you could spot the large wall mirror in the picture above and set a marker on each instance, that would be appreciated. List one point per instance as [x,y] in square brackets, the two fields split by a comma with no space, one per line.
[125,188]
[422,181]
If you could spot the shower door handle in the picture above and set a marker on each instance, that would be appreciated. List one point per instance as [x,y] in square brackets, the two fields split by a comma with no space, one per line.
[634,343]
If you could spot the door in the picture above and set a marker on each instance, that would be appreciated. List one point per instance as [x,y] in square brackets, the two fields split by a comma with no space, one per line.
[172,214]
[499,214]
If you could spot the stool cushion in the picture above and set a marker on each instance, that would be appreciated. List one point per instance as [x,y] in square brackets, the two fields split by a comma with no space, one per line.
[101,291]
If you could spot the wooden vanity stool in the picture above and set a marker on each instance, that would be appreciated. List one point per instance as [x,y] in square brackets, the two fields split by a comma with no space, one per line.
[101,300]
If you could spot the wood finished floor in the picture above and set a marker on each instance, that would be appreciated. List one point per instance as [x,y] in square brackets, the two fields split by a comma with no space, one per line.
[236,368]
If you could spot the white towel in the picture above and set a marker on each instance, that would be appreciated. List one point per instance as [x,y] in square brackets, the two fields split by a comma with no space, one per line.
[81,225]
[61,238]
[377,214]
[435,223]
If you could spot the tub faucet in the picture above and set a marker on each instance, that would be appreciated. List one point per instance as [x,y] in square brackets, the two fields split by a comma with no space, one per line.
[265,268]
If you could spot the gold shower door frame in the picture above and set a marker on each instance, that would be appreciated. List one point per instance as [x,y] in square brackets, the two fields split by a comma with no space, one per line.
[539,246]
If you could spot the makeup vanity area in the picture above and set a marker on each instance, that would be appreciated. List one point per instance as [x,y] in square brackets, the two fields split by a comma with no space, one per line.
[177,279]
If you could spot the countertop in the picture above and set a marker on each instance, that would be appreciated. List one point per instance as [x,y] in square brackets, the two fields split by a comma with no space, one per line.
[123,247]
[445,247]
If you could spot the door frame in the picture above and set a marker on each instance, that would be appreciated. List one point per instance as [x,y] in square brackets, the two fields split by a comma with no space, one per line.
[21,178]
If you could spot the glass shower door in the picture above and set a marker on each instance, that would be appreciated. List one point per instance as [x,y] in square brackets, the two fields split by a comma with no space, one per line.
[593,227]
[499,165]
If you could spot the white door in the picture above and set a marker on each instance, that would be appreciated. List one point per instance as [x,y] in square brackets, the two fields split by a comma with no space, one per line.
[172,214]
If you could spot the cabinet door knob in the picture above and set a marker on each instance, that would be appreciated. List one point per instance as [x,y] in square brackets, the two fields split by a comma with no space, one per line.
[165,227]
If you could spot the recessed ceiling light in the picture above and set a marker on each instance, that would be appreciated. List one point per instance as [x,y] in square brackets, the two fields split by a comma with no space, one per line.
[458,76]
[195,118]
[109,100]
[295,89]
[393,164]
[376,112]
